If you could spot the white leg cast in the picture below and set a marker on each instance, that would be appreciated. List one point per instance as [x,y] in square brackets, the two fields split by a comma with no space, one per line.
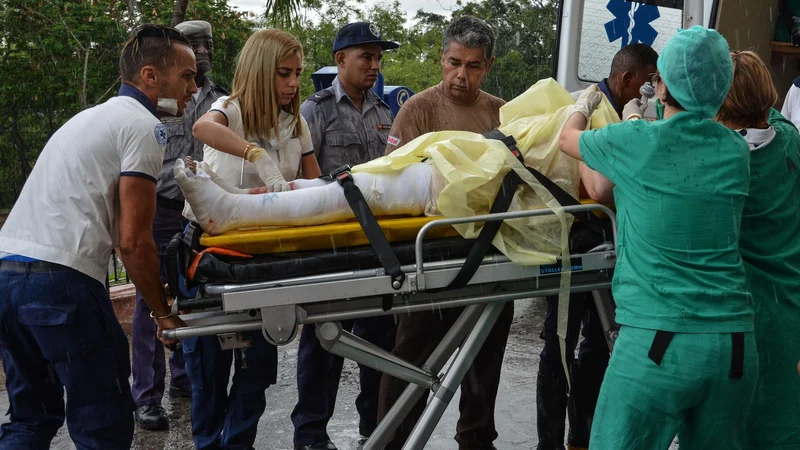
[218,211]
[305,184]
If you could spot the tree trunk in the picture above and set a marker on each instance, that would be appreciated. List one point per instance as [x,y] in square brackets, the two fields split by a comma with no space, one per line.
[179,13]
[133,10]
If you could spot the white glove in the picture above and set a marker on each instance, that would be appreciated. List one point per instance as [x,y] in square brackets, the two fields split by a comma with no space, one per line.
[268,171]
[588,100]
[634,108]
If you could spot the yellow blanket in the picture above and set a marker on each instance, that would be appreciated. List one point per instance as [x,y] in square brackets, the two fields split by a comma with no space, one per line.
[474,167]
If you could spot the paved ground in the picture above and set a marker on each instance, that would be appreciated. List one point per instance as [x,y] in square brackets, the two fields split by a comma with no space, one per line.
[515,405]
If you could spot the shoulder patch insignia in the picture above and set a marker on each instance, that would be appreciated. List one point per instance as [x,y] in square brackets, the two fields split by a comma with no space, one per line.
[320,95]
[393,141]
[161,134]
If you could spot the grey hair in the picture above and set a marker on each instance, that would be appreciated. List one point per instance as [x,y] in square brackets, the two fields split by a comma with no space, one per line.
[470,32]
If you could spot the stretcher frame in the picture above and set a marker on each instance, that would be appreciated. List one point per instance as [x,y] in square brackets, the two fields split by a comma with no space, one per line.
[278,307]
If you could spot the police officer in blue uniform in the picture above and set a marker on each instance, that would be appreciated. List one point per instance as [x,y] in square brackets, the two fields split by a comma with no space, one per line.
[147,354]
[349,124]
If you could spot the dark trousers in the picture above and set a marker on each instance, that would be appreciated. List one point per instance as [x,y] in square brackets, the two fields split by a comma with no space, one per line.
[586,375]
[147,359]
[318,373]
[553,405]
[58,332]
[223,419]
[417,336]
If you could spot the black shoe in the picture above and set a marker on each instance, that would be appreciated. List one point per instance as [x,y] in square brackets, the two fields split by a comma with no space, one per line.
[180,391]
[327,445]
[151,417]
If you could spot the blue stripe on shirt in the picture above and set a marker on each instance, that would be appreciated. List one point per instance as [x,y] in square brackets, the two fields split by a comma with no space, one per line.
[18,258]
[138,174]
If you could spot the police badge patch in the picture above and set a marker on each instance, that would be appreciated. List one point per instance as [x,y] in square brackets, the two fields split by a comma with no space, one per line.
[161,134]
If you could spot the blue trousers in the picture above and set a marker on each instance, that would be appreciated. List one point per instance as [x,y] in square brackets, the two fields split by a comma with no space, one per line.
[147,352]
[58,331]
[318,373]
[223,420]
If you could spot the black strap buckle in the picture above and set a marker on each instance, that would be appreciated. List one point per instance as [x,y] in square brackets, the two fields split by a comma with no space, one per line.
[334,176]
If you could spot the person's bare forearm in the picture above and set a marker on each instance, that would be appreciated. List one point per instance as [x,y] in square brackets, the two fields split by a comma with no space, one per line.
[599,188]
[219,136]
[569,140]
[140,258]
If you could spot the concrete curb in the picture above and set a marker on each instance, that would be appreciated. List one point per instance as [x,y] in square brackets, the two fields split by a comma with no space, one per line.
[123,299]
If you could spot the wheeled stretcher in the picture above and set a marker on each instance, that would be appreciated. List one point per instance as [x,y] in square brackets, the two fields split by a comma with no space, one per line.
[427,267]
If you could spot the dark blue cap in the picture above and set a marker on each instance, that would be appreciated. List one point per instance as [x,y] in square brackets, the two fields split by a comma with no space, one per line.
[360,33]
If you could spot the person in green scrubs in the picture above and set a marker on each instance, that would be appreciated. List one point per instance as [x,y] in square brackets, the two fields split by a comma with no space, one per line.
[770,247]
[685,362]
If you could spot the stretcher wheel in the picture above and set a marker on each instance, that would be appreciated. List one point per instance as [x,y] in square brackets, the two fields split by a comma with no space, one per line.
[281,339]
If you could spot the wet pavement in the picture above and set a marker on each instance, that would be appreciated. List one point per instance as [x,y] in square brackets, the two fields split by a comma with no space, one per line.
[515,411]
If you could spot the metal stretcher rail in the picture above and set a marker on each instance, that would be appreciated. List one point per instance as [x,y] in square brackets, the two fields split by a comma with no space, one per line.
[278,307]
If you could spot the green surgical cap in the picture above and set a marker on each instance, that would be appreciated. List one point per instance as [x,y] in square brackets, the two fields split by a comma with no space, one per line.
[696,66]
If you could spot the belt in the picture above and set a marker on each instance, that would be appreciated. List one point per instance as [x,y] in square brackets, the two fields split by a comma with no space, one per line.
[169,203]
[30,267]
[663,338]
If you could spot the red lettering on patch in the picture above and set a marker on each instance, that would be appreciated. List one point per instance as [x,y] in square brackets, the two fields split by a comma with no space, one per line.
[393,141]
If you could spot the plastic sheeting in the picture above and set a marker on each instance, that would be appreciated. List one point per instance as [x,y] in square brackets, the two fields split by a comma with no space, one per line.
[474,167]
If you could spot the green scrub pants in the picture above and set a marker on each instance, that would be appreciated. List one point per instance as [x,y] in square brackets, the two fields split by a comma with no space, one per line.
[643,406]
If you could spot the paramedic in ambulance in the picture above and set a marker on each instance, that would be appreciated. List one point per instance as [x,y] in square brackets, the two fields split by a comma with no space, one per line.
[93,189]
[147,353]
[770,248]
[685,362]
[457,103]
[630,69]
[349,124]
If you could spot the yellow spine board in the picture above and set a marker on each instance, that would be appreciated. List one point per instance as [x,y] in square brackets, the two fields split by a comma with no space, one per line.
[318,237]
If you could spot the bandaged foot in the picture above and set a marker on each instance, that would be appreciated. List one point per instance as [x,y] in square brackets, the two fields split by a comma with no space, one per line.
[407,192]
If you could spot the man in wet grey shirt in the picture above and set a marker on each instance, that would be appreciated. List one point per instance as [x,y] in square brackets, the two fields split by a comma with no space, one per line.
[147,363]
[349,124]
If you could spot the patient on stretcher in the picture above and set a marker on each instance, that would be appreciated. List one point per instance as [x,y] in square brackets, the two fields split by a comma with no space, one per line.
[449,173]
[219,207]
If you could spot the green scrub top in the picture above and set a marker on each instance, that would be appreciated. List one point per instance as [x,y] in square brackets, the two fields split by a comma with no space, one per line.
[770,247]
[680,188]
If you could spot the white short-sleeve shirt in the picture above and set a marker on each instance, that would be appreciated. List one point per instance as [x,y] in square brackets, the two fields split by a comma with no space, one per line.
[791,105]
[286,152]
[68,211]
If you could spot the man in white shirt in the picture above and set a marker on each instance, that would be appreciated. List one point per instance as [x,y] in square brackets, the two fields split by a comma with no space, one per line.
[92,189]
[791,105]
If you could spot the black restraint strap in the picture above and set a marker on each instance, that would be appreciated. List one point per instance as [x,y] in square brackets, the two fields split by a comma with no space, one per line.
[373,232]
[481,245]
[562,197]
[659,347]
[173,278]
[737,358]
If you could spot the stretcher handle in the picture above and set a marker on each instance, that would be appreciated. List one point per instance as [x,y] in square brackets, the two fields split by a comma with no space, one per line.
[506,216]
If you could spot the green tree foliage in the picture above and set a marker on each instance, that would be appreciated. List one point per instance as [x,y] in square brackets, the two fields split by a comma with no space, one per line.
[58,57]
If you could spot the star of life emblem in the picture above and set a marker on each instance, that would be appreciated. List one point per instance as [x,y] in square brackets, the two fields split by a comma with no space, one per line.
[161,134]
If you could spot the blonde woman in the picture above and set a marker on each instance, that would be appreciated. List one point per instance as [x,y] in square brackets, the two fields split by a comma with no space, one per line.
[255,138]
[770,247]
